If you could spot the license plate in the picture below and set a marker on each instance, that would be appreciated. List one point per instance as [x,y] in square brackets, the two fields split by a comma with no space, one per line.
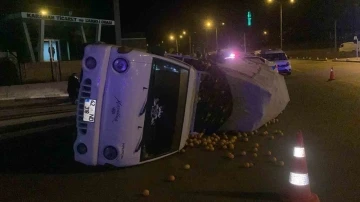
[89,110]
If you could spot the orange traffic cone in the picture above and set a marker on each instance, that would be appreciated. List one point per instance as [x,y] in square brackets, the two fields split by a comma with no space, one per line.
[332,74]
[299,190]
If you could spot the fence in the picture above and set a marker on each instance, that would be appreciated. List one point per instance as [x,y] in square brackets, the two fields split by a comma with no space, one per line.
[40,72]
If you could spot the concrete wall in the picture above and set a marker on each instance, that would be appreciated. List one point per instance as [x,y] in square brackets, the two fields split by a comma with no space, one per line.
[40,72]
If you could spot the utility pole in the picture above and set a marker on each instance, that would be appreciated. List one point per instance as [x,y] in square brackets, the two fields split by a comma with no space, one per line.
[117,22]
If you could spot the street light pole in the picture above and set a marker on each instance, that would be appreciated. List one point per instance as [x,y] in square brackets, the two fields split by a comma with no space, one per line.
[216,32]
[117,22]
[335,38]
[177,47]
[190,45]
[281,26]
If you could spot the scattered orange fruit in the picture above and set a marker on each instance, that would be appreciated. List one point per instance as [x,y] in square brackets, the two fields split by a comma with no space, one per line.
[146,192]
[171,178]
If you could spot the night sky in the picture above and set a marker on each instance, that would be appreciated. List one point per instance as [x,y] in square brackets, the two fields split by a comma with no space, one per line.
[305,21]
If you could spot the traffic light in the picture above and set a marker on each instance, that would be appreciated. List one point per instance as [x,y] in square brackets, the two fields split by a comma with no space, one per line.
[249,18]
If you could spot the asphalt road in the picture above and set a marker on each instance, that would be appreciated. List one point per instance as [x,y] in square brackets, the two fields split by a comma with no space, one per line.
[40,167]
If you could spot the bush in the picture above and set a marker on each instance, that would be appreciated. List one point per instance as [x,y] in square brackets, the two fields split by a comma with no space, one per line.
[8,72]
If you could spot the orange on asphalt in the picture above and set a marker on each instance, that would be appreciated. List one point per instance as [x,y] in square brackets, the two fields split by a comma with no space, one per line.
[187,166]
[171,178]
[146,192]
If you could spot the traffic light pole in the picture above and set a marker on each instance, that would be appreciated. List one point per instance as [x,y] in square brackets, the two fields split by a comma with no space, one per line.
[245,42]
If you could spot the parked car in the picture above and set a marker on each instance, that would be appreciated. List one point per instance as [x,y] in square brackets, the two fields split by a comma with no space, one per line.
[280,58]
[258,59]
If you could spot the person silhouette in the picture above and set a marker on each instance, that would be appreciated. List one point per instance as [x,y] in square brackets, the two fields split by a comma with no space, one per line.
[51,50]
[73,87]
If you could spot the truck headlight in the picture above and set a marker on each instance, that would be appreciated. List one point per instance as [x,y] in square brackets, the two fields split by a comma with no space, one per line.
[81,148]
[120,65]
[110,153]
[90,63]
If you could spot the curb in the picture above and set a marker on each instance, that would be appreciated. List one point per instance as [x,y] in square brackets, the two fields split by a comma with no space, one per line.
[33,97]
[319,60]
[345,61]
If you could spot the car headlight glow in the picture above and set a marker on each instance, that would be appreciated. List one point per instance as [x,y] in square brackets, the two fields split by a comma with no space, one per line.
[90,63]
[110,153]
[81,148]
[120,65]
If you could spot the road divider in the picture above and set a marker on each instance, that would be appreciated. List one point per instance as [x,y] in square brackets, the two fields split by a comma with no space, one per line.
[356,60]
[31,119]
[310,58]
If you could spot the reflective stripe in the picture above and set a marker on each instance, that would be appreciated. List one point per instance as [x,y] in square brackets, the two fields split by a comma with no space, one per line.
[299,152]
[299,179]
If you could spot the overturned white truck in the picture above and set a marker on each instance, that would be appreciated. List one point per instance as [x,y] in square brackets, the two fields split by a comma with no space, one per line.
[135,107]
[259,94]
[239,94]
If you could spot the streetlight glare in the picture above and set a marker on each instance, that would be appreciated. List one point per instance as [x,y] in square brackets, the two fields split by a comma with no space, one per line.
[171,37]
[265,32]
[181,36]
[223,23]
[43,12]
[269,1]
[292,1]
[208,24]
[184,32]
